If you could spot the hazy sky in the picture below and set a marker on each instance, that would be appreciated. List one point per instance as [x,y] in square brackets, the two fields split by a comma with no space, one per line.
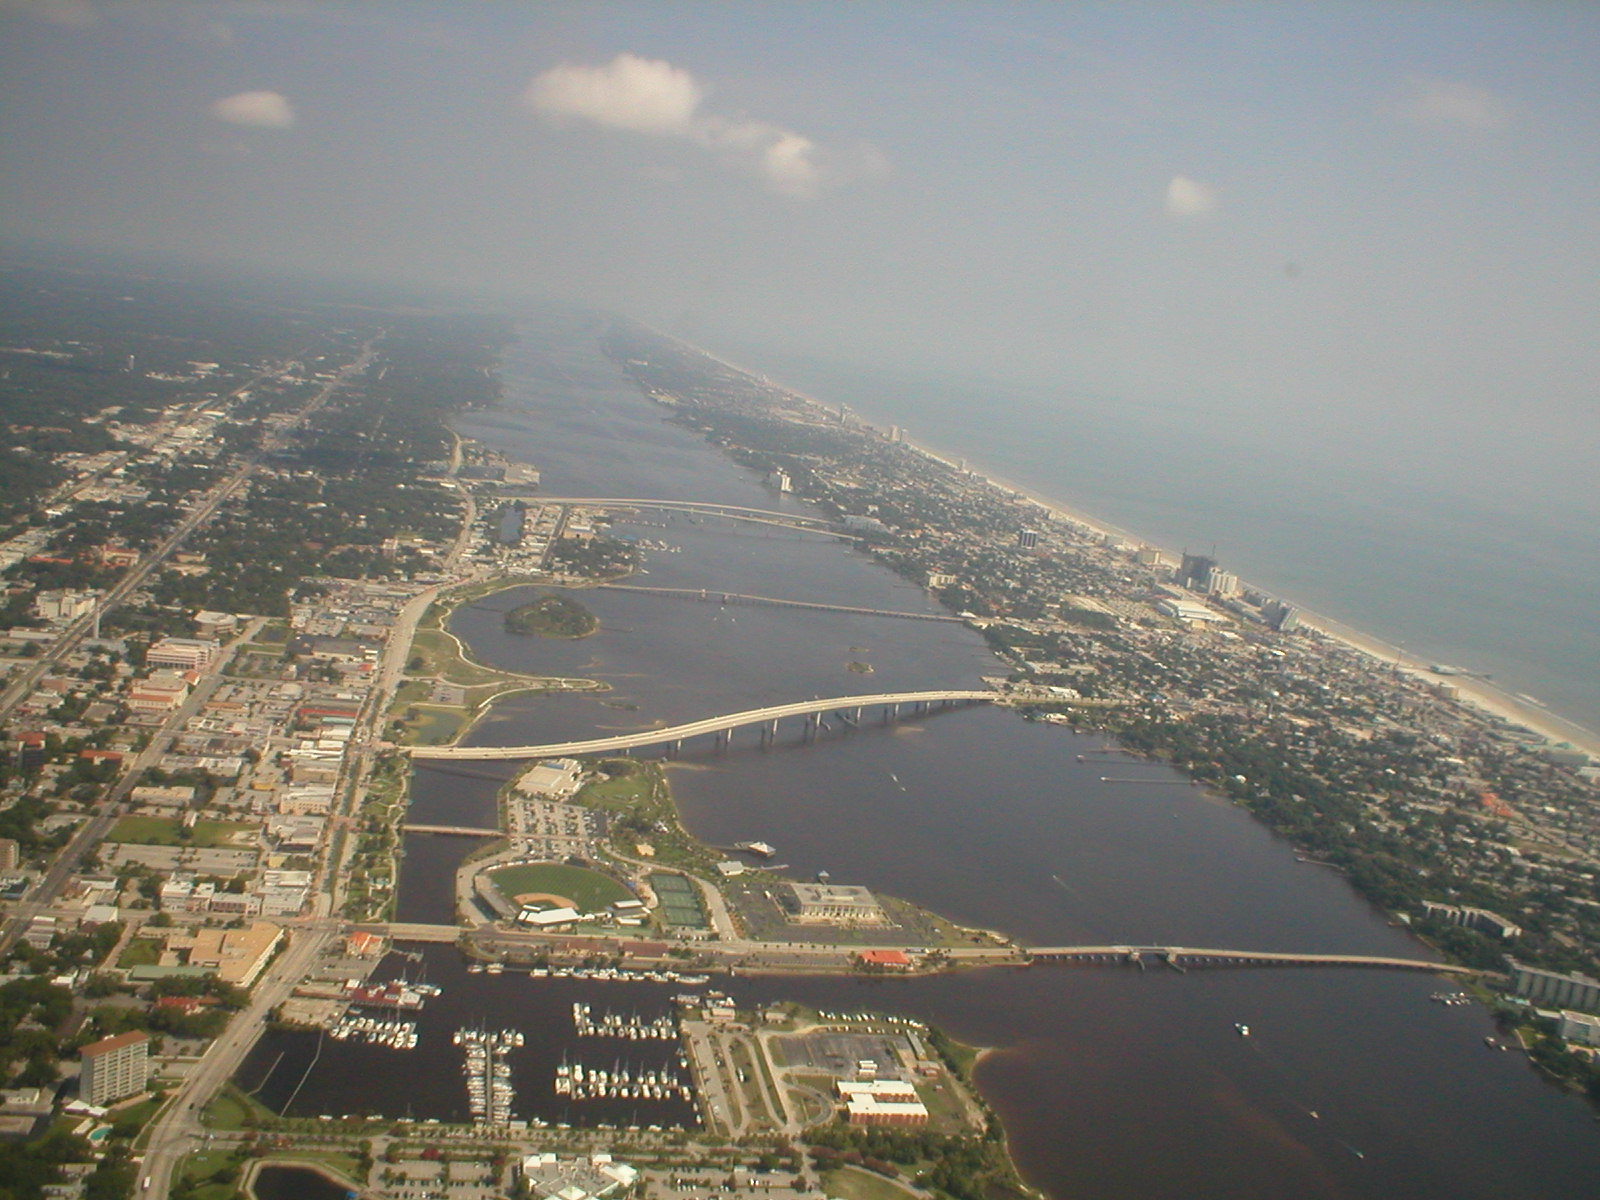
[1317,216]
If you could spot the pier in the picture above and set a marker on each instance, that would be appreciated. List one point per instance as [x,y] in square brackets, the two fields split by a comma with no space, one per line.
[849,708]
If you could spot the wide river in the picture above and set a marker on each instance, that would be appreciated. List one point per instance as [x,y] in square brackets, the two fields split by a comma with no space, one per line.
[1111,1082]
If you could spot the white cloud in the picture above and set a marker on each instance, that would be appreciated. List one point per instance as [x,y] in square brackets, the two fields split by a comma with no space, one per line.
[1190,198]
[1451,103]
[789,165]
[643,95]
[261,110]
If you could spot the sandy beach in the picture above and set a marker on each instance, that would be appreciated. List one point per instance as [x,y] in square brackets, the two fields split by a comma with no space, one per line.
[1479,693]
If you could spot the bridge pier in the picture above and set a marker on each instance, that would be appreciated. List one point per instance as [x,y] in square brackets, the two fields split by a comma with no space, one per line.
[724,738]
[813,721]
[769,731]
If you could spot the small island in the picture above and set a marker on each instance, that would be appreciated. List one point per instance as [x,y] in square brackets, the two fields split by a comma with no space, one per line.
[552,616]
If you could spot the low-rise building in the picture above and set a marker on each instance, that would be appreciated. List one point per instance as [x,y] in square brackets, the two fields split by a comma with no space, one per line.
[161,692]
[835,904]
[1480,919]
[188,654]
[235,956]
[1582,1028]
[881,1102]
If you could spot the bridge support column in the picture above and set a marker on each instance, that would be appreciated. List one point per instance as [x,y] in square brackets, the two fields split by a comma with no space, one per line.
[769,732]
[724,737]
[813,722]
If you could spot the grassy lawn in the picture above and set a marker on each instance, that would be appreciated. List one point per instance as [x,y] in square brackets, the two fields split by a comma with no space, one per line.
[140,1113]
[209,1171]
[336,1160]
[639,790]
[430,726]
[852,1183]
[169,831]
[620,794]
[412,691]
[588,890]
[233,1110]
[140,952]
[441,656]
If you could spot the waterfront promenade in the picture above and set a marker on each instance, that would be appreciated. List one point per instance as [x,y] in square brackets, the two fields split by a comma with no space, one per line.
[850,709]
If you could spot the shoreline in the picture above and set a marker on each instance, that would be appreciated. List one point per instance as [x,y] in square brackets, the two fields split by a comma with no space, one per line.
[1478,693]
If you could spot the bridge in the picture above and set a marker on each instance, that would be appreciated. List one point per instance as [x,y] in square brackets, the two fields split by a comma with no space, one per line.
[735,512]
[406,932]
[1182,958]
[703,594]
[848,708]
[453,830]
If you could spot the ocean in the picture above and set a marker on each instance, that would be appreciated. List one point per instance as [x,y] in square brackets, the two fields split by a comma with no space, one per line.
[1487,563]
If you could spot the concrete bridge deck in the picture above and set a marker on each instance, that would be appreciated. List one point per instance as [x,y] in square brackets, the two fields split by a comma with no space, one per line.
[673,734]
[1185,957]
[402,931]
[735,512]
[453,830]
[716,597]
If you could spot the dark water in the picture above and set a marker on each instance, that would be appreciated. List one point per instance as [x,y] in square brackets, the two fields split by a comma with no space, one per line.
[301,1074]
[296,1183]
[1111,1082]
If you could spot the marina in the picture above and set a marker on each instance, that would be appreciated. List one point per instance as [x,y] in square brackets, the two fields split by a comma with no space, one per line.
[396,1035]
[623,1081]
[490,1094]
[616,1025]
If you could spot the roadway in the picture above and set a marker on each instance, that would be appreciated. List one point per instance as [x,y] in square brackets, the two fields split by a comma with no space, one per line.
[736,511]
[675,733]
[704,595]
[1183,957]
[177,1131]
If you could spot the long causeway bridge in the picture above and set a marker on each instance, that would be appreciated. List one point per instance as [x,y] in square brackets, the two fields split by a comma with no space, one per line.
[715,597]
[1182,958]
[849,710]
[734,512]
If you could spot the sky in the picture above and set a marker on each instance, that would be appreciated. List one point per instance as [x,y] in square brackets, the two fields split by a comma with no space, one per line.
[1369,226]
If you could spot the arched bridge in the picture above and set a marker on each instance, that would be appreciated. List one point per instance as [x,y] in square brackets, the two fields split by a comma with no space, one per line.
[849,709]
[1181,958]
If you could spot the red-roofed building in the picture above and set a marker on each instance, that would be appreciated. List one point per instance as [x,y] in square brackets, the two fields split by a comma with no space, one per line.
[888,960]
